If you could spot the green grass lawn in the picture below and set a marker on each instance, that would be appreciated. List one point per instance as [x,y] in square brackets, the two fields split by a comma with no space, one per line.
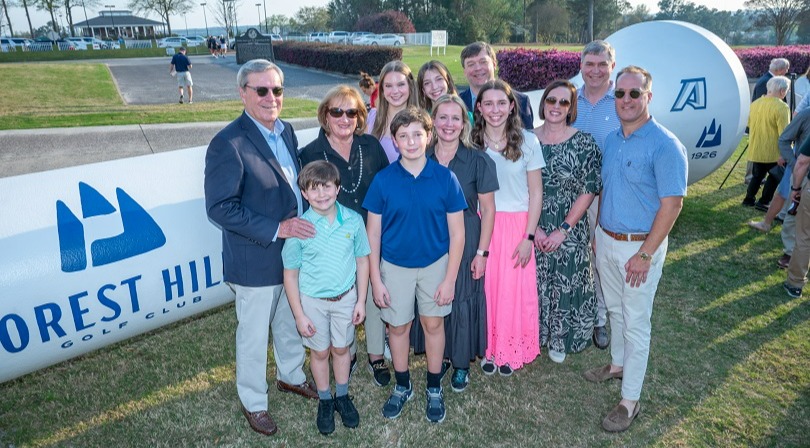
[729,367]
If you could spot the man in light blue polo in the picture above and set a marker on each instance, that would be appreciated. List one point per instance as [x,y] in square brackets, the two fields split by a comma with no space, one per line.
[596,115]
[644,182]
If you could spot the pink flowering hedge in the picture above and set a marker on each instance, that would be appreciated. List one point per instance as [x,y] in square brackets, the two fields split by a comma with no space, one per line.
[534,69]
[756,60]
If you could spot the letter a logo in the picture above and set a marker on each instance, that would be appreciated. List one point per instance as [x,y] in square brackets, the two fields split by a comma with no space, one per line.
[692,94]
[141,233]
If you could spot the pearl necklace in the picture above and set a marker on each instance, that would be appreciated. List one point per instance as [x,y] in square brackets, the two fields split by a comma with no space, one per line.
[360,178]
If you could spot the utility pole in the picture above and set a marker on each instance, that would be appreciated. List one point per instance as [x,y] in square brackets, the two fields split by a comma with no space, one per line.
[206,19]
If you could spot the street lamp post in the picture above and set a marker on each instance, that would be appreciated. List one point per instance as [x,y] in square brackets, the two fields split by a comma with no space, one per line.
[259,13]
[186,22]
[266,31]
[206,19]
[112,17]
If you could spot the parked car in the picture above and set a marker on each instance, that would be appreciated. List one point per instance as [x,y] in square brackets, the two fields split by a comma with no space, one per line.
[15,43]
[173,42]
[357,37]
[365,39]
[388,39]
[111,45]
[195,41]
[276,38]
[65,44]
[78,43]
[318,37]
[338,37]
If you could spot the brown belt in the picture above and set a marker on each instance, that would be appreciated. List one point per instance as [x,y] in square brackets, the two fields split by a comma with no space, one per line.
[626,236]
[337,297]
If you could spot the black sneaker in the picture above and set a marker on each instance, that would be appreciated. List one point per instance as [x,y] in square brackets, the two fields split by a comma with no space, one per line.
[181,99]
[348,413]
[505,370]
[488,367]
[379,369]
[326,416]
[445,367]
[461,379]
[792,290]
[434,410]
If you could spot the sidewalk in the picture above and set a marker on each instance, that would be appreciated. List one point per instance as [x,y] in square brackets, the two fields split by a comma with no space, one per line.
[34,150]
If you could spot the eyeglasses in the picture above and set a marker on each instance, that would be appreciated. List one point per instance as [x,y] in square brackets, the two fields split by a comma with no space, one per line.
[263,91]
[634,93]
[337,112]
[550,100]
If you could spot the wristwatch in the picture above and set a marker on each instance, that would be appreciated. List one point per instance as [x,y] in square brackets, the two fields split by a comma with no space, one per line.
[529,236]
[645,256]
[795,189]
[565,228]
[483,253]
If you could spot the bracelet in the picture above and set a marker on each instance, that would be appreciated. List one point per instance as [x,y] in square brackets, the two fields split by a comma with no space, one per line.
[795,189]
[528,236]
[564,231]
[483,253]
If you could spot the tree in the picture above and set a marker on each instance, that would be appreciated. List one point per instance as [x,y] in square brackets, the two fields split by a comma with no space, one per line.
[782,15]
[25,4]
[345,13]
[224,13]
[5,4]
[51,6]
[549,19]
[312,18]
[386,22]
[163,8]
[606,17]
[637,15]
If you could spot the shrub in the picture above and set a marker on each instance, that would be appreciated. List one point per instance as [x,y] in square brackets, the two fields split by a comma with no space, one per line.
[336,58]
[755,61]
[386,22]
[532,69]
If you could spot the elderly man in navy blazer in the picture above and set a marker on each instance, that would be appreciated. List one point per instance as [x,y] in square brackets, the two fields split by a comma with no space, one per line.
[251,170]
[479,64]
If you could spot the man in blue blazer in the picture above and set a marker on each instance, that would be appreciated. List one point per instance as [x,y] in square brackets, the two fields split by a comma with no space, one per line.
[479,63]
[251,193]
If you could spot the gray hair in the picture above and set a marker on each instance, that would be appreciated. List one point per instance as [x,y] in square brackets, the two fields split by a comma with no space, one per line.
[777,84]
[256,66]
[779,64]
[599,47]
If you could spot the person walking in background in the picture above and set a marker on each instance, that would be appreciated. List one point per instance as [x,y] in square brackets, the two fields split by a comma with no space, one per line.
[768,118]
[511,282]
[397,92]
[479,63]
[596,115]
[181,67]
[644,172]
[252,194]
[571,179]
[358,157]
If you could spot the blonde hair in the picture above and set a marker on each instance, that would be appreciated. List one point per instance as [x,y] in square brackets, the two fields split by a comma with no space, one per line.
[339,94]
[382,102]
[466,128]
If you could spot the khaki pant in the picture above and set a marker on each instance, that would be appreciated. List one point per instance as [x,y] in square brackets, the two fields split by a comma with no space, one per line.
[800,260]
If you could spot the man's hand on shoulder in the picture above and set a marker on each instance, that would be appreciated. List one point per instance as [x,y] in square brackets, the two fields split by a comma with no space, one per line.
[296,228]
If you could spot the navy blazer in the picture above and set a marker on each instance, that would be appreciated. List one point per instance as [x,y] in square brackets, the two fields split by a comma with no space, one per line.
[524,106]
[247,196]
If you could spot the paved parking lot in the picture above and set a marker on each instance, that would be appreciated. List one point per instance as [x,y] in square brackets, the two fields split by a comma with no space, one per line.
[147,80]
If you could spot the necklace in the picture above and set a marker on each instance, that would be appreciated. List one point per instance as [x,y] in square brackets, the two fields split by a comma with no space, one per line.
[494,143]
[359,178]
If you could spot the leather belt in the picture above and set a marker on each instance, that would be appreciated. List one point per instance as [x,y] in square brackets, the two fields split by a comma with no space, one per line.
[626,236]
[337,297]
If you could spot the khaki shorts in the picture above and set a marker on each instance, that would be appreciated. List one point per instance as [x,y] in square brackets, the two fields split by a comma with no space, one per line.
[332,320]
[184,79]
[406,284]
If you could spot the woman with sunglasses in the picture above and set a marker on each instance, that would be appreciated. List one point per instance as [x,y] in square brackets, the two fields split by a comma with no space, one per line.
[571,179]
[510,281]
[358,157]
[466,326]
[397,92]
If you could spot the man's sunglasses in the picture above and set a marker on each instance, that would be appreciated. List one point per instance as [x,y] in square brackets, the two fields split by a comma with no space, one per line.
[550,100]
[634,93]
[263,91]
[337,112]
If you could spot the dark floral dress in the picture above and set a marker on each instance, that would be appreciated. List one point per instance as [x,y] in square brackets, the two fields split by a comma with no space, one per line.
[564,278]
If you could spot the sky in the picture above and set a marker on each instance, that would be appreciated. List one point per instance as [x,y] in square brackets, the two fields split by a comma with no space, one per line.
[248,15]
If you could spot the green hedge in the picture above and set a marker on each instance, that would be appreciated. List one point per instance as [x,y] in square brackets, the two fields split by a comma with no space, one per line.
[336,58]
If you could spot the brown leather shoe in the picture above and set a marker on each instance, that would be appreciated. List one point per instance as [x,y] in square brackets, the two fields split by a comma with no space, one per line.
[617,419]
[305,389]
[599,374]
[260,421]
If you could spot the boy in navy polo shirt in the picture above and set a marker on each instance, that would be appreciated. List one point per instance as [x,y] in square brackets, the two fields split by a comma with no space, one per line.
[416,232]
[323,277]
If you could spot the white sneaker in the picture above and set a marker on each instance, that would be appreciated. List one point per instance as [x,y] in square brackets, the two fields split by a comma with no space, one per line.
[556,356]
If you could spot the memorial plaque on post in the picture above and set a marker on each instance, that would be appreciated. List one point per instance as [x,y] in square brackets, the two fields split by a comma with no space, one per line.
[253,45]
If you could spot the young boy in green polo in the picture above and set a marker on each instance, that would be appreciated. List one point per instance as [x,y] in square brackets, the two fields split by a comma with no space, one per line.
[323,277]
